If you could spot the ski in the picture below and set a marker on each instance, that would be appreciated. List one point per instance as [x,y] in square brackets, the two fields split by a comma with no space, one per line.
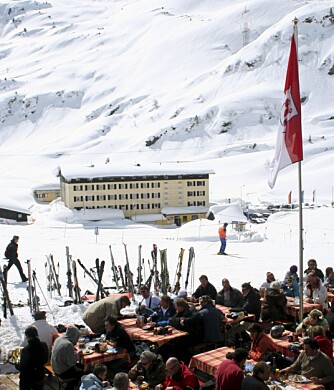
[30,295]
[76,283]
[178,275]
[69,273]
[156,282]
[95,280]
[7,301]
[56,278]
[99,292]
[128,273]
[122,277]
[165,285]
[190,260]
[139,279]
[51,276]
[114,269]
[35,299]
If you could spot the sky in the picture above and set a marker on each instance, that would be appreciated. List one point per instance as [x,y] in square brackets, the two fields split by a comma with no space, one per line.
[162,82]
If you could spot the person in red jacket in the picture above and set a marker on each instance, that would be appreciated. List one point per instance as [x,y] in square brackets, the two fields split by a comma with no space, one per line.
[261,343]
[222,237]
[178,377]
[230,372]
[325,345]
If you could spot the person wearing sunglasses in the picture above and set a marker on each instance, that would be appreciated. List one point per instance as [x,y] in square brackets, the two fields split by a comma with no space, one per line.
[178,377]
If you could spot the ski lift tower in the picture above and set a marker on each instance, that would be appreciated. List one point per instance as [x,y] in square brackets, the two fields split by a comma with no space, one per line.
[245,27]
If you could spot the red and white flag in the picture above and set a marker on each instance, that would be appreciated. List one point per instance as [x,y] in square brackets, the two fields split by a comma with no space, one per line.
[289,146]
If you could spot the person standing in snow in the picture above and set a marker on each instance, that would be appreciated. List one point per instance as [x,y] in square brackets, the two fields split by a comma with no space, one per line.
[12,255]
[222,237]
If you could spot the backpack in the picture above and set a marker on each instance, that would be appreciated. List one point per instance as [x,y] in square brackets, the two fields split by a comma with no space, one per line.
[7,252]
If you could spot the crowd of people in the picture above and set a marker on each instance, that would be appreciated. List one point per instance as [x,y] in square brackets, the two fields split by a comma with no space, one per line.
[207,329]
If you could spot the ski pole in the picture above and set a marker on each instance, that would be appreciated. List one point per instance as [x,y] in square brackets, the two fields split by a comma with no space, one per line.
[44,297]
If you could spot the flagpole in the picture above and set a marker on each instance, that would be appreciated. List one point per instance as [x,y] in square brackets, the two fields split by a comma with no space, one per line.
[300,210]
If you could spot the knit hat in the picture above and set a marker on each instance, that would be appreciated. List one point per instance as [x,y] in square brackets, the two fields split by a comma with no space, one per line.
[293,269]
[275,285]
[316,313]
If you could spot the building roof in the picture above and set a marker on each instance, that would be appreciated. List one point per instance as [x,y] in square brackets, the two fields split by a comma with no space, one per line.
[105,170]
[13,205]
[148,218]
[184,210]
[48,187]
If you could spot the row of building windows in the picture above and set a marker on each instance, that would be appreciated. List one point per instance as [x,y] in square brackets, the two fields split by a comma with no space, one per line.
[198,203]
[91,198]
[196,193]
[125,186]
[126,207]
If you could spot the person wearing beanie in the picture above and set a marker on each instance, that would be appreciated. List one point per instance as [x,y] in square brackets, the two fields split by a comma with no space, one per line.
[274,303]
[64,358]
[292,273]
[314,318]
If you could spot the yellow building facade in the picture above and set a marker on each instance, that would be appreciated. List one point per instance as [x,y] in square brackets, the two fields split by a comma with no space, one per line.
[136,190]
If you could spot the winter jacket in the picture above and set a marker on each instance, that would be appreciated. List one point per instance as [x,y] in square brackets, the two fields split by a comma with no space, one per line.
[222,232]
[11,251]
[121,338]
[63,356]
[33,358]
[154,375]
[317,273]
[251,304]
[193,323]
[318,294]
[252,382]
[96,313]
[161,318]
[292,290]
[325,345]
[262,345]
[273,306]
[236,298]
[210,290]
[229,376]
[212,321]
[91,382]
[184,378]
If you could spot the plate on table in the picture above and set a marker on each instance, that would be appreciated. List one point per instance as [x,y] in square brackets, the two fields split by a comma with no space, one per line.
[111,350]
[299,379]
[148,327]
[86,352]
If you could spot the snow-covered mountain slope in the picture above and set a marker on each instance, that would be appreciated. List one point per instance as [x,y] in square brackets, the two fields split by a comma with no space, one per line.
[160,81]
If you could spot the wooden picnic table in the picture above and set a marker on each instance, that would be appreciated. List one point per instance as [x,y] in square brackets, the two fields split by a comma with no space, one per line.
[208,362]
[293,309]
[137,333]
[226,311]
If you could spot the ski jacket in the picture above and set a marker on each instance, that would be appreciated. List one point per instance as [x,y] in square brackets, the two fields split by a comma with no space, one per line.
[33,358]
[193,323]
[262,345]
[161,318]
[317,272]
[63,356]
[222,232]
[251,304]
[11,251]
[154,375]
[308,329]
[236,298]
[96,313]
[212,321]
[46,333]
[181,380]
[325,346]
[91,382]
[273,306]
[210,290]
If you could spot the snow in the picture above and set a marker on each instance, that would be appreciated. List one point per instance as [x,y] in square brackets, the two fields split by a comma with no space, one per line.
[145,82]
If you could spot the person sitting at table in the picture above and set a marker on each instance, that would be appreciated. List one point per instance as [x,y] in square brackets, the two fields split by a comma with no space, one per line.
[252,304]
[261,373]
[96,312]
[205,288]
[274,304]
[290,287]
[230,372]
[228,296]
[329,278]
[151,367]
[149,303]
[261,343]
[46,332]
[314,318]
[166,310]
[178,377]
[312,268]
[116,334]
[96,380]
[33,357]
[315,292]
[292,273]
[121,381]
[269,279]
[313,364]
[64,358]
[213,321]
[325,344]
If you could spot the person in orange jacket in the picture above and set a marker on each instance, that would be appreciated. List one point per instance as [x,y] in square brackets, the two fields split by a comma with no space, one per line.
[261,343]
[222,237]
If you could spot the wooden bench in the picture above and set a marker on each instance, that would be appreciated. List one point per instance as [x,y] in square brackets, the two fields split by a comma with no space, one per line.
[61,382]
